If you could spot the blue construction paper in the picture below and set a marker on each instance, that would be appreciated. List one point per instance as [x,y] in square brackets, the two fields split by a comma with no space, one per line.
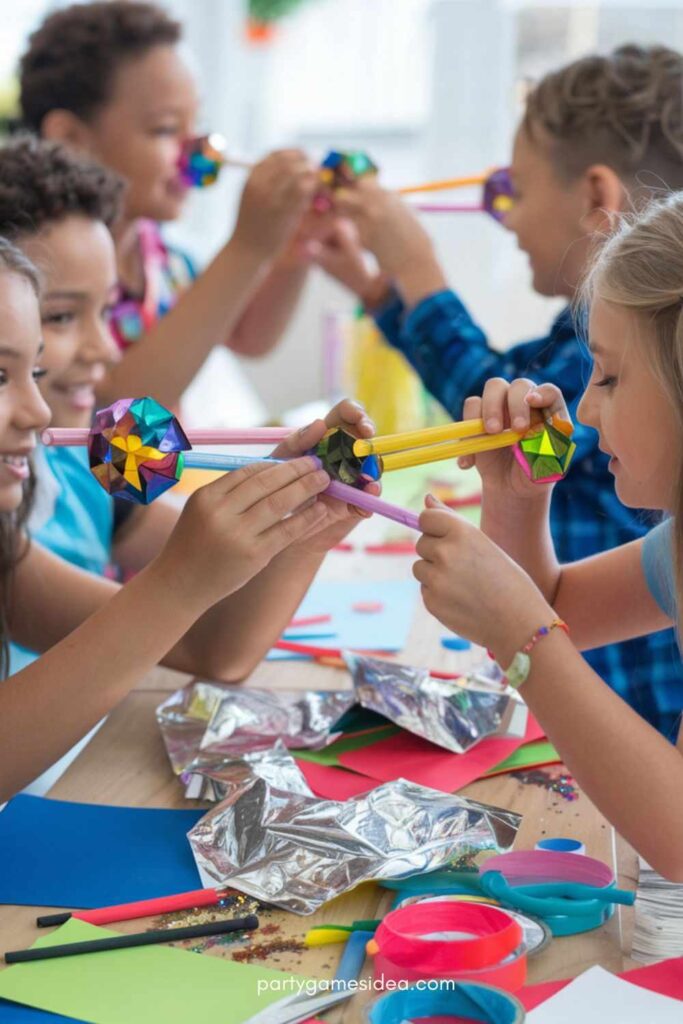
[386,630]
[59,854]
[14,1013]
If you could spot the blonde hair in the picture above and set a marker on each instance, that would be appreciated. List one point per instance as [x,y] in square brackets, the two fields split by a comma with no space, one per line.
[623,109]
[640,268]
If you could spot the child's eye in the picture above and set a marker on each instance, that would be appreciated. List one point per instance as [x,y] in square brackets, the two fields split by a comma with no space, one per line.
[38,373]
[166,129]
[59,319]
[606,382]
[3,377]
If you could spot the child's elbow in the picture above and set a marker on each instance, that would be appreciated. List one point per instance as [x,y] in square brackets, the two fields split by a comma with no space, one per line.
[669,865]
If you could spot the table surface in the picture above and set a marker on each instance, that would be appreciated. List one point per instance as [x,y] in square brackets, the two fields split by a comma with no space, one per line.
[126,764]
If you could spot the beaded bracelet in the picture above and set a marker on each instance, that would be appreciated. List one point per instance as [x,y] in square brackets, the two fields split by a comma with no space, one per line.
[520,666]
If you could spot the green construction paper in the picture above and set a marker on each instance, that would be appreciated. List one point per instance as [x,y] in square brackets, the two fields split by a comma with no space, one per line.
[535,753]
[330,755]
[147,985]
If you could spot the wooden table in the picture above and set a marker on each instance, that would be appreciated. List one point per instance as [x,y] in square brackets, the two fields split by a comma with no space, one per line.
[126,764]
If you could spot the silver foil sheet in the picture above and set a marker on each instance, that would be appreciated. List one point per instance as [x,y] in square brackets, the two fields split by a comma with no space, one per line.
[213,720]
[218,779]
[298,852]
[454,714]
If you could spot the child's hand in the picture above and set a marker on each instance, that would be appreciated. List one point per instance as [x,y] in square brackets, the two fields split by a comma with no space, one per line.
[278,191]
[333,244]
[351,417]
[232,528]
[386,226]
[472,587]
[517,405]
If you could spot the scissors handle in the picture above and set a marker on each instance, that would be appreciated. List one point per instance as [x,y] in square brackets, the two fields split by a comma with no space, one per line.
[552,898]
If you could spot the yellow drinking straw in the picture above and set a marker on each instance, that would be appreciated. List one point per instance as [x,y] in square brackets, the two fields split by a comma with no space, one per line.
[451,450]
[416,438]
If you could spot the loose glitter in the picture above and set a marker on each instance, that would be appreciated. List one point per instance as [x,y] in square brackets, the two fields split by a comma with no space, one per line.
[561,784]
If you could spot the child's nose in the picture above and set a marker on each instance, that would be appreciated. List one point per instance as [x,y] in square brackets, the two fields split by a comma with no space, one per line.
[586,412]
[31,411]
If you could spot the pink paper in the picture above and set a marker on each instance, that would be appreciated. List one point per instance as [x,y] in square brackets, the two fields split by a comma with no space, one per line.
[665,977]
[410,757]
[334,783]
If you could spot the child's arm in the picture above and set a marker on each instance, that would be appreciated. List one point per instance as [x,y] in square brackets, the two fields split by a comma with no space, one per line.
[422,317]
[515,515]
[166,360]
[632,774]
[229,641]
[229,531]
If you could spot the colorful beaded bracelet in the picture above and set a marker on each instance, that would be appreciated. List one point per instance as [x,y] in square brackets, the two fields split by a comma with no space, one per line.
[520,666]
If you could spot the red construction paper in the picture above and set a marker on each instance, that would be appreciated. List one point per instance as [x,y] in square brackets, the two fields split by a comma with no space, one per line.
[665,977]
[406,756]
[334,783]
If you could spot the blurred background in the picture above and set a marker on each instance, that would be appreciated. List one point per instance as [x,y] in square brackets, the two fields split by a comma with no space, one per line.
[428,88]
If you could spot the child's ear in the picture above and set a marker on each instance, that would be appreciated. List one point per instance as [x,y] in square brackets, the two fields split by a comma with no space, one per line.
[605,196]
[66,127]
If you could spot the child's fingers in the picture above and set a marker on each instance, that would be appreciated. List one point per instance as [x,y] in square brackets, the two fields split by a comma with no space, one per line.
[299,442]
[518,408]
[471,409]
[438,522]
[549,398]
[278,490]
[296,527]
[426,548]
[351,417]
[495,402]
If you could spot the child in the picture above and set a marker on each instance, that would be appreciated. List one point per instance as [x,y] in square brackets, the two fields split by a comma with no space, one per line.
[634,399]
[210,602]
[109,79]
[57,208]
[597,135]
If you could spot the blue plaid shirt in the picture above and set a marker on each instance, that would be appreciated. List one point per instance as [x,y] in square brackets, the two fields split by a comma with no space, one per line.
[453,357]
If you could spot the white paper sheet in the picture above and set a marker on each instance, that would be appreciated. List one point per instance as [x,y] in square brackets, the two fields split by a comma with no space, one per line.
[598,997]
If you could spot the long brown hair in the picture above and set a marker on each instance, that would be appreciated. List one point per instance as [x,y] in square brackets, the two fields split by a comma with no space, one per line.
[13,540]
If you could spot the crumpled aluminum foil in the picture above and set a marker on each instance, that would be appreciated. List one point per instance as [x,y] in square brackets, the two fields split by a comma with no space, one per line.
[219,778]
[298,852]
[218,719]
[453,714]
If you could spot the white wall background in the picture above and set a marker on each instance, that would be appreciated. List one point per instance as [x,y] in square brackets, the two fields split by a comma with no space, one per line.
[427,87]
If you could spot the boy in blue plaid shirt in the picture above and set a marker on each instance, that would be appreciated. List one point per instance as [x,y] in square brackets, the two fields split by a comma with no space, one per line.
[593,136]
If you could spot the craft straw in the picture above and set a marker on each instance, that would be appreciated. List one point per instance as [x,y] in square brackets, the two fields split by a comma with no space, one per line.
[343,492]
[453,450]
[448,207]
[444,183]
[141,908]
[415,438]
[196,931]
[62,436]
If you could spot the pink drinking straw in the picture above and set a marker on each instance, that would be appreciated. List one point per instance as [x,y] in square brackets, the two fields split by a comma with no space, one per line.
[447,208]
[62,436]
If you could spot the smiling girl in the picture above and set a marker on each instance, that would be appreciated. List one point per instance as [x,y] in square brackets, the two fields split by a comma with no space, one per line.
[521,597]
[210,601]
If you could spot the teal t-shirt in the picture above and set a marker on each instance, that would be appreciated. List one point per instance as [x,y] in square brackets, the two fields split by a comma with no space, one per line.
[658,566]
[73,517]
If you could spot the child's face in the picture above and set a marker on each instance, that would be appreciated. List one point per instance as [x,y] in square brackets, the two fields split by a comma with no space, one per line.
[630,409]
[76,258]
[22,409]
[546,218]
[139,133]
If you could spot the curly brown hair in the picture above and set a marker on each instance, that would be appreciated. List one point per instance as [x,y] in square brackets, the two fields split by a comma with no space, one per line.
[13,542]
[624,110]
[73,57]
[43,182]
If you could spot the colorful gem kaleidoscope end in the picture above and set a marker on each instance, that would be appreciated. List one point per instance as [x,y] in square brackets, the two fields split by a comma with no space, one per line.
[498,194]
[336,453]
[201,160]
[545,455]
[339,169]
[135,449]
